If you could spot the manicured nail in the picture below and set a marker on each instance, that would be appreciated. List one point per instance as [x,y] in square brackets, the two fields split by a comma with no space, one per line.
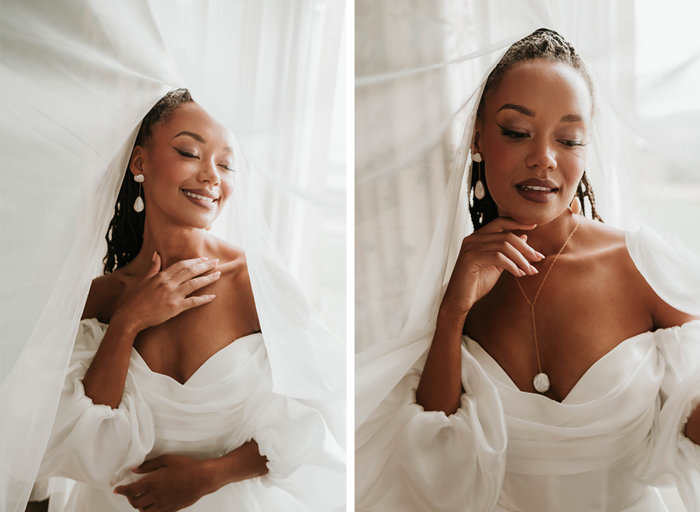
[216,274]
[534,269]
[213,262]
[210,296]
[540,255]
[203,259]
[522,272]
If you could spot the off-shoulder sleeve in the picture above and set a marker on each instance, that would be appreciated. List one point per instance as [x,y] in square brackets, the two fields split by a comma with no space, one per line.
[673,456]
[95,443]
[412,460]
[304,459]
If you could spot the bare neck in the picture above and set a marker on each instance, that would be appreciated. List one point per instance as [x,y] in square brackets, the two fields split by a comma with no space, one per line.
[173,243]
[549,238]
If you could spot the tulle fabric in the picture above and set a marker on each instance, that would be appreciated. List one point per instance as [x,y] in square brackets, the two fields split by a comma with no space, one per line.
[77,79]
[225,403]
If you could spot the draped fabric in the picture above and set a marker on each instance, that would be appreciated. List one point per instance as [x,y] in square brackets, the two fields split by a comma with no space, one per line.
[421,68]
[77,78]
[223,405]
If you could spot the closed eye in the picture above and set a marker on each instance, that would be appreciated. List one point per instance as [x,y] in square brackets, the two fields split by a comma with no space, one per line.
[571,143]
[186,154]
[230,169]
[512,134]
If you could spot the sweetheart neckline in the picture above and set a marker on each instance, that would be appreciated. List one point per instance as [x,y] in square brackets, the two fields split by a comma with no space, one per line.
[214,355]
[512,384]
[205,363]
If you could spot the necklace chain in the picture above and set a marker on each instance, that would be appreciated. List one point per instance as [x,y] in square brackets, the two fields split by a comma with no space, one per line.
[532,304]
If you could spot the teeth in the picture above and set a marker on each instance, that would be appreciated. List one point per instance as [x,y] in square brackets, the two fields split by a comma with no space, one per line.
[203,198]
[538,189]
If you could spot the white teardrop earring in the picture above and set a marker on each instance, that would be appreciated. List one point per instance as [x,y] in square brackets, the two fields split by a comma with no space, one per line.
[479,190]
[138,204]
[576,206]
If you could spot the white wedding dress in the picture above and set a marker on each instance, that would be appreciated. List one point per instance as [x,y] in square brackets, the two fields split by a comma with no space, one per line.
[225,403]
[619,431]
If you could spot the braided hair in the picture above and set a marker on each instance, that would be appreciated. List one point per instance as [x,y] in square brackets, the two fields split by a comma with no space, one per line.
[541,44]
[125,234]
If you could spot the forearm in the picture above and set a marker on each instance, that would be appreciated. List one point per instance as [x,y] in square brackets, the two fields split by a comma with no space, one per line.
[240,464]
[440,385]
[105,378]
[692,428]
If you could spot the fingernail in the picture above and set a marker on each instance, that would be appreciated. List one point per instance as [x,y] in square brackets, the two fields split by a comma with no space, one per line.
[203,259]
[213,262]
[154,256]
[216,274]
[540,255]
[522,272]
[534,269]
[210,296]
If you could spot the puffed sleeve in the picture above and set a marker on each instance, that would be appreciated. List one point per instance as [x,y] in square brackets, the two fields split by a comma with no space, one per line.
[304,459]
[95,443]
[412,460]
[673,456]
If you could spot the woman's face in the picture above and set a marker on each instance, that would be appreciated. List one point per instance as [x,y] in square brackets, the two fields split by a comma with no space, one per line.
[532,137]
[187,167]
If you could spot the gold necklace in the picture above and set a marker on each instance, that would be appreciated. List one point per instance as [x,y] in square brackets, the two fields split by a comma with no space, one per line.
[541,380]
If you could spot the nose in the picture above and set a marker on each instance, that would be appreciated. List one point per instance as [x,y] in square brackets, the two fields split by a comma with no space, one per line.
[209,173]
[541,154]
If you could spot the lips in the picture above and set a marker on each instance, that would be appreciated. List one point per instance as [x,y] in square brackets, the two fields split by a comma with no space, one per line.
[537,190]
[201,197]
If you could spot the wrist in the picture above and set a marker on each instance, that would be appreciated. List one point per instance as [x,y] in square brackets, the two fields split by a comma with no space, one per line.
[214,474]
[452,313]
[125,323]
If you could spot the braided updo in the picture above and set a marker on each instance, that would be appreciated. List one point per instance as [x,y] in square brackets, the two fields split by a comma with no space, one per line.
[541,44]
[125,234]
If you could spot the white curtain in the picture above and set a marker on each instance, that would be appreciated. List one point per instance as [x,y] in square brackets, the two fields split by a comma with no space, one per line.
[267,69]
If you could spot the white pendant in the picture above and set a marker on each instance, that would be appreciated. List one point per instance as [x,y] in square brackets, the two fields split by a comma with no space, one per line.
[479,191]
[138,204]
[541,382]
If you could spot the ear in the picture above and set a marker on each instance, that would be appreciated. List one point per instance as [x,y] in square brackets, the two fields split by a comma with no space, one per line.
[477,146]
[136,161]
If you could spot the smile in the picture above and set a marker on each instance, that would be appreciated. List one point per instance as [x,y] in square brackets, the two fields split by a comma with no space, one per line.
[537,189]
[197,196]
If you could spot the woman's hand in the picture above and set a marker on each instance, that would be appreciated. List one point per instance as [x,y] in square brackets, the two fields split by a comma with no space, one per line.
[484,255]
[159,296]
[171,482]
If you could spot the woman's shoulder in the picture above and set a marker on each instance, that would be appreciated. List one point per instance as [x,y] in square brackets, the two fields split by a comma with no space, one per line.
[105,292]
[609,247]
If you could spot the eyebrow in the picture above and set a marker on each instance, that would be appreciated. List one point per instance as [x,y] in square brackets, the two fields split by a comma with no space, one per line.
[201,139]
[571,118]
[518,108]
[195,136]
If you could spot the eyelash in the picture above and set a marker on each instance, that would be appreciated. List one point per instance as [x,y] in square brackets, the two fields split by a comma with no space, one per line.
[522,135]
[189,155]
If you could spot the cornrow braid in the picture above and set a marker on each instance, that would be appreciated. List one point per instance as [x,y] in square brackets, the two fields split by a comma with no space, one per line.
[544,44]
[125,234]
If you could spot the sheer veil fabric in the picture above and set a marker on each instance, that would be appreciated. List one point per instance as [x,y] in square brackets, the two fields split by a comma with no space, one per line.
[421,70]
[77,78]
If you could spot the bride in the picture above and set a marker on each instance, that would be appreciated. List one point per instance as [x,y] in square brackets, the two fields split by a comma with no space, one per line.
[168,402]
[557,378]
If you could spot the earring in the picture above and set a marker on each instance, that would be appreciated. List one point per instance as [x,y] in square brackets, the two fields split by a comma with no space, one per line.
[479,191]
[576,206]
[138,204]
